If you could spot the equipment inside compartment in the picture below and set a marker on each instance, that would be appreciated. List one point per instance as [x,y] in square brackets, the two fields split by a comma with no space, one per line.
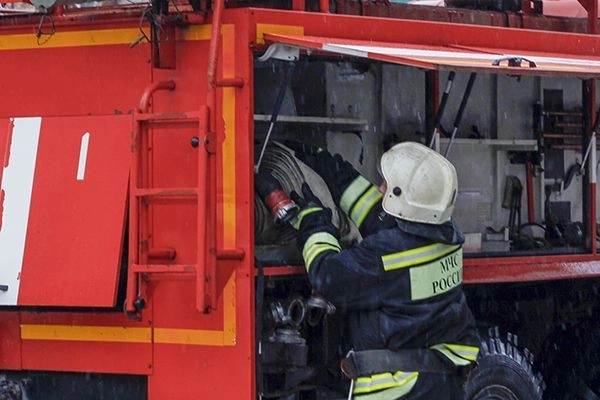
[518,148]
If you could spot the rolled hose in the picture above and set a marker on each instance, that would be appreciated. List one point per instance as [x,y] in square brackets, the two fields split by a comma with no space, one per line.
[291,173]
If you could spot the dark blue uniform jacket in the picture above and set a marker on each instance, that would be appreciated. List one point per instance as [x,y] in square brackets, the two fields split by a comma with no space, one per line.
[377,303]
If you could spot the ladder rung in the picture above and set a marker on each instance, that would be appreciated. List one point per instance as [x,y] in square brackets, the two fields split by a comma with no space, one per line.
[162,192]
[163,268]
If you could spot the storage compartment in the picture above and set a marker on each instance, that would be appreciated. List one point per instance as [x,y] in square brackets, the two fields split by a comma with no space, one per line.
[521,184]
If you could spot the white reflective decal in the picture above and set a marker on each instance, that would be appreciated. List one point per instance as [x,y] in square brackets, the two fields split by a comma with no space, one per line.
[83,153]
[363,51]
[437,277]
[17,186]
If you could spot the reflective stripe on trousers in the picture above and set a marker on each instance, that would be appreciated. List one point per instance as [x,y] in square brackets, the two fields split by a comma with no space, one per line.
[459,354]
[384,386]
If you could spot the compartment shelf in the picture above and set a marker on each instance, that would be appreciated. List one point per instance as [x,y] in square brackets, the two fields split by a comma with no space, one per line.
[353,124]
[503,144]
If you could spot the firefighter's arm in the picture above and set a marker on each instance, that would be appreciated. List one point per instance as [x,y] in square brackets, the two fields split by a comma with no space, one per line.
[331,270]
[350,279]
[317,236]
[356,196]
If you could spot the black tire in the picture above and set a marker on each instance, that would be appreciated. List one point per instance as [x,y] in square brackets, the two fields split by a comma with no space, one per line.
[9,389]
[503,372]
[570,361]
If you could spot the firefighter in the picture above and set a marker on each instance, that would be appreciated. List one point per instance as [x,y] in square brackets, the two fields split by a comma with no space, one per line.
[411,333]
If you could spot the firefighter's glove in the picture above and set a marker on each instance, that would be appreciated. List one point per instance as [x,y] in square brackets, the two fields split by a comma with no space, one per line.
[305,152]
[356,196]
[313,219]
[337,173]
[314,157]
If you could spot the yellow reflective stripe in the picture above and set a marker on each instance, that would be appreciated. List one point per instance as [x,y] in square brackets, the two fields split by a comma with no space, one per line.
[417,256]
[315,251]
[353,192]
[386,380]
[320,238]
[364,205]
[298,220]
[261,29]
[394,393]
[86,333]
[456,360]
[467,352]
[316,244]
[457,353]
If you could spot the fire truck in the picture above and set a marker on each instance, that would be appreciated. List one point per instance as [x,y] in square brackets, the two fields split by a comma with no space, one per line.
[136,260]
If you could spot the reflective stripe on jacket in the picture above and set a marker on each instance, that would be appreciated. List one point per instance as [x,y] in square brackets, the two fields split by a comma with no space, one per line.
[371,282]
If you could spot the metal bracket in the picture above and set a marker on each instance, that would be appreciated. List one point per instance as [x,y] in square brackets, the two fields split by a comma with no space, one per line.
[515,62]
[281,51]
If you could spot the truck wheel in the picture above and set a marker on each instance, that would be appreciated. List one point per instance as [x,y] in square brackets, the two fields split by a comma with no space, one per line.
[9,389]
[503,372]
[570,361]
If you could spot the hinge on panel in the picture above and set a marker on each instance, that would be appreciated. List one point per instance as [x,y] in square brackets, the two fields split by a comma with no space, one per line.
[281,51]
[205,137]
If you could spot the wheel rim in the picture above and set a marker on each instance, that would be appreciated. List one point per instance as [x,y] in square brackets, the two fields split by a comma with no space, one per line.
[496,392]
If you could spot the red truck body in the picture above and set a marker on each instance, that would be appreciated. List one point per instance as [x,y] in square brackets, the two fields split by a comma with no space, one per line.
[127,225]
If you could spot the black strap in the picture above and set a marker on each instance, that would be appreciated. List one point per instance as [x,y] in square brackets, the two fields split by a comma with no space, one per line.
[369,362]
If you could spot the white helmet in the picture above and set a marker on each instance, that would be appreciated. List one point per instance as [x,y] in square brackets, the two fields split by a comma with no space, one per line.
[421,184]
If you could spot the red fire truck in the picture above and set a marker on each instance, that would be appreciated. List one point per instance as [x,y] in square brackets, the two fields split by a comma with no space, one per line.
[135,259]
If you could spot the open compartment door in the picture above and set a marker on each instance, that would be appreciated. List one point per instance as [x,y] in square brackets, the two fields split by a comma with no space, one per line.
[451,57]
[63,202]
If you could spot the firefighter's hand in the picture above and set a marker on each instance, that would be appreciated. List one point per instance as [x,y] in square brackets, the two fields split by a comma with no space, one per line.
[337,173]
[304,152]
[315,158]
[313,217]
[355,195]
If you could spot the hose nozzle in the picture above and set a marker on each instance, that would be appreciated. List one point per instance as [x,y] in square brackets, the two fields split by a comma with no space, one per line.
[282,207]
[277,201]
